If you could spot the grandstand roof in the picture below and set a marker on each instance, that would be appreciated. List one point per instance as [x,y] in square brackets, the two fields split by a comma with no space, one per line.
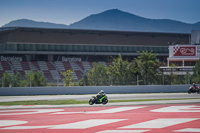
[79,36]
[34,29]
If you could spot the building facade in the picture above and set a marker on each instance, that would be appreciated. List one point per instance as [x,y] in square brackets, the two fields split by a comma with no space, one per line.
[54,50]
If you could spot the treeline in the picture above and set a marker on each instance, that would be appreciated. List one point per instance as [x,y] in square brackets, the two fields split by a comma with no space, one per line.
[143,70]
[31,79]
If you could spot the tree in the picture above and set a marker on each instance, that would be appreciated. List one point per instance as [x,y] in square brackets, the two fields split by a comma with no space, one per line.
[174,78]
[16,80]
[10,79]
[135,71]
[148,65]
[68,77]
[34,79]
[84,81]
[6,79]
[120,71]
[187,78]
[98,75]
[196,73]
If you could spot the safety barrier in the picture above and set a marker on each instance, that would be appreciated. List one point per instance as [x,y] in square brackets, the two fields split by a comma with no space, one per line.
[17,91]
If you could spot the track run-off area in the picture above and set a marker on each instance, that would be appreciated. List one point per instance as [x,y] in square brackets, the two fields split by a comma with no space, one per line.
[167,118]
[178,117]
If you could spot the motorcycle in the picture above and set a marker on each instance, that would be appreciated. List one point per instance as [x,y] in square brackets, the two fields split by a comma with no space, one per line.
[191,90]
[95,100]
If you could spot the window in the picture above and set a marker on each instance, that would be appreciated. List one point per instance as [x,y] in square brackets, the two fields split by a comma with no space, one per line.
[62,48]
[20,47]
[108,48]
[51,47]
[57,47]
[38,47]
[102,48]
[45,48]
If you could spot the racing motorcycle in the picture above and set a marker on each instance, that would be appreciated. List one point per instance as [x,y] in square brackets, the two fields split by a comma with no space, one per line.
[95,100]
[191,90]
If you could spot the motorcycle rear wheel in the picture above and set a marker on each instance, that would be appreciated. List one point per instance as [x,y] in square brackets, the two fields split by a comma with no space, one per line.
[91,102]
[105,101]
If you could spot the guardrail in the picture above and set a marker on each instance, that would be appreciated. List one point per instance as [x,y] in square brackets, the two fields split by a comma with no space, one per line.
[17,91]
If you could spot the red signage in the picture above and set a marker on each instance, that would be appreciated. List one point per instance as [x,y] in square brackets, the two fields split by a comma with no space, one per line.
[184,51]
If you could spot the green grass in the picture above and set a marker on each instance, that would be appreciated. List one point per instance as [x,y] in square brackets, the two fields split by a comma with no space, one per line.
[140,100]
[65,102]
[44,102]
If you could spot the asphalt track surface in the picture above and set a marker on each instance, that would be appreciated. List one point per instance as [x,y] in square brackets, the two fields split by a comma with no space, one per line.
[168,116]
[110,97]
[159,118]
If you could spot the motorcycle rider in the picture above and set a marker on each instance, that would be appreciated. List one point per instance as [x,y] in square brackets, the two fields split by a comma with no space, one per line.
[194,86]
[100,94]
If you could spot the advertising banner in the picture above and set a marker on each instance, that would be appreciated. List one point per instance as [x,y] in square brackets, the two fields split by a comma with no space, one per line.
[11,58]
[184,51]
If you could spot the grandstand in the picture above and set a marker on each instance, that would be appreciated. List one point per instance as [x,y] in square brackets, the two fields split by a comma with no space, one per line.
[52,51]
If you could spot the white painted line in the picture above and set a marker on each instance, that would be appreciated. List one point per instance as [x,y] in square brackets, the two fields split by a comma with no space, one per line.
[86,124]
[189,130]
[26,127]
[116,110]
[123,131]
[58,113]
[160,123]
[11,122]
[190,108]
[112,110]
[28,111]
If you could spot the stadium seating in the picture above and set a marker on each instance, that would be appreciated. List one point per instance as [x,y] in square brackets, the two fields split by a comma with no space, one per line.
[5,65]
[51,70]
[25,66]
[55,75]
[80,64]
[86,66]
[59,65]
[17,65]
[1,67]
[50,66]
[48,75]
[35,65]
[42,65]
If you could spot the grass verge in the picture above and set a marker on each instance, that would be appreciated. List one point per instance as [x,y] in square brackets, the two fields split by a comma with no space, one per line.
[65,102]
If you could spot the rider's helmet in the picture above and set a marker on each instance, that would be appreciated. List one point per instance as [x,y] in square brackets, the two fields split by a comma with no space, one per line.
[194,84]
[101,92]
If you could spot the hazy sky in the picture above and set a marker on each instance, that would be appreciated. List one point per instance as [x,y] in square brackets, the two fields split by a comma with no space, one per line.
[70,11]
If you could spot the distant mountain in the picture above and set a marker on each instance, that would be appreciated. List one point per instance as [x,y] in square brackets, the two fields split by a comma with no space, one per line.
[31,23]
[118,20]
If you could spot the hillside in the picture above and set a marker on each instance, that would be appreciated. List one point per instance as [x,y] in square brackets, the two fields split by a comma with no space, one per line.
[31,23]
[118,20]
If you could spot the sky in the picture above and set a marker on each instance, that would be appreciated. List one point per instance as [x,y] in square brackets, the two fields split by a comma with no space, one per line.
[70,11]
